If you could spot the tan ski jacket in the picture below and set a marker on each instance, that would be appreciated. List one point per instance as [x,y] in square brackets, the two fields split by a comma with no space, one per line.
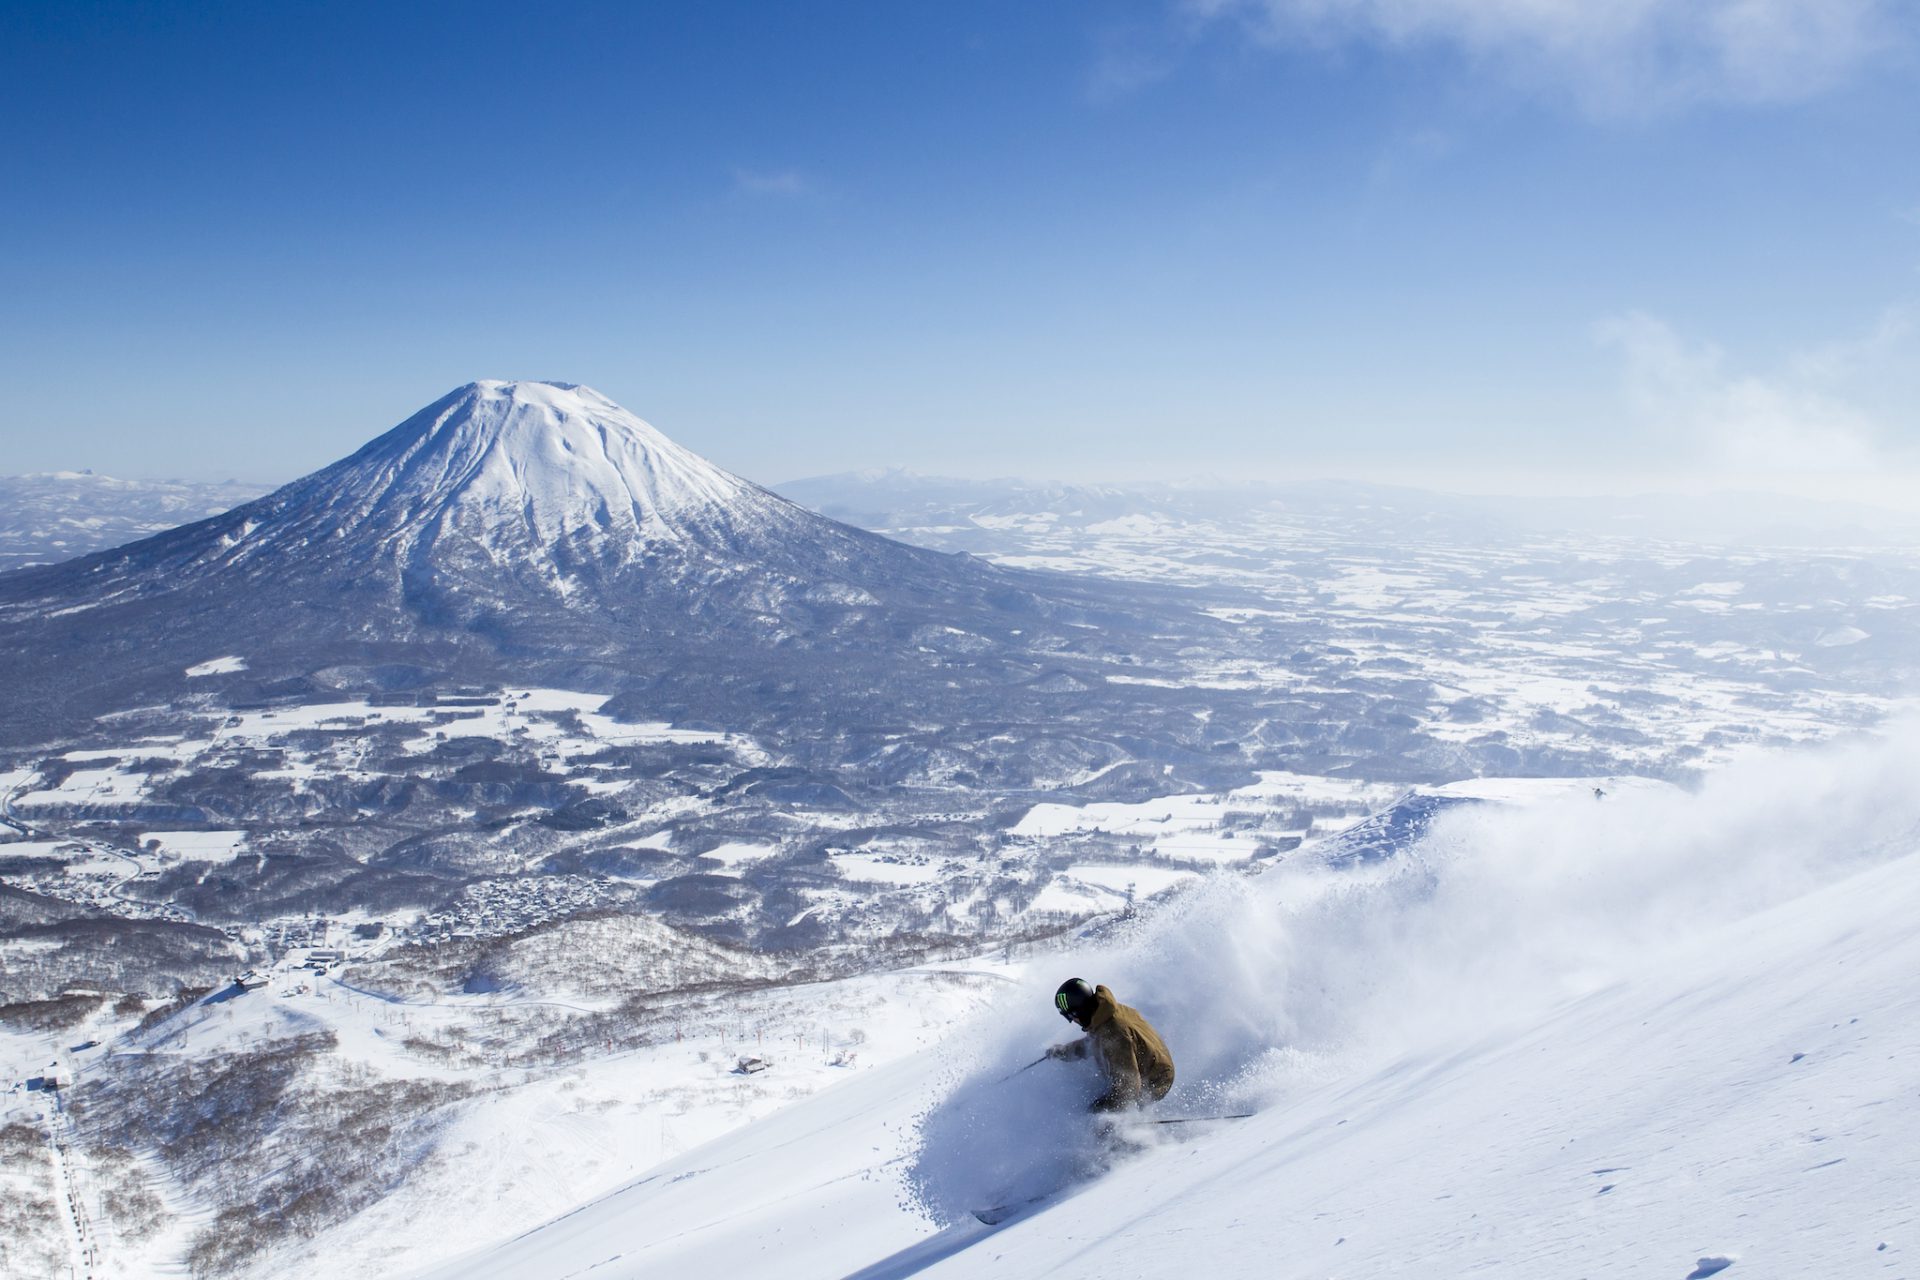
[1128,1051]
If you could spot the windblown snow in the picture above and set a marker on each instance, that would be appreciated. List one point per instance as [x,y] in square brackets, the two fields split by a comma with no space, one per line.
[1658,1033]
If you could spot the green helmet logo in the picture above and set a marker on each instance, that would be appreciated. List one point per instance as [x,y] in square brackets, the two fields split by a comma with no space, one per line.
[1075,1001]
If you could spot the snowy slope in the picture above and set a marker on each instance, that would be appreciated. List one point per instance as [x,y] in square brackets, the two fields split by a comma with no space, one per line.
[1639,1037]
[1662,1121]
[519,1145]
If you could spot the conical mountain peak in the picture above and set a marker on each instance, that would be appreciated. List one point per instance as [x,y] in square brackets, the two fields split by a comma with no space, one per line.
[520,471]
[562,457]
[497,511]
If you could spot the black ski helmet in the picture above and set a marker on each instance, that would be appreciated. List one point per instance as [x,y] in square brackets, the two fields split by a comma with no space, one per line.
[1074,1000]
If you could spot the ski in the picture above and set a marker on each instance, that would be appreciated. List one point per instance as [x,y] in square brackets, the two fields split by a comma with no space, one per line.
[1000,1213]
[1237,1115]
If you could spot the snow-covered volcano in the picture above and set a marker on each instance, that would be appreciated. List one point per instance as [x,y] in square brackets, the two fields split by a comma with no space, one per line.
[535,528]
[542,481]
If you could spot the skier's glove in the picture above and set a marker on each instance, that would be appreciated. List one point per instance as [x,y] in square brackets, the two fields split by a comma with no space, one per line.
[1059,1052]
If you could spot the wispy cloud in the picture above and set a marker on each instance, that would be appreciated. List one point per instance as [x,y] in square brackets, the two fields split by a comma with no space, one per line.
[1797,420]
[1128,57]
[772,182]
[1834,363]
[1615,57]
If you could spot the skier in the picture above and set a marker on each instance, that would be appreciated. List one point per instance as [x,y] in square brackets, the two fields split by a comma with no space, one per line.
[1132,1058]
[1133,1061]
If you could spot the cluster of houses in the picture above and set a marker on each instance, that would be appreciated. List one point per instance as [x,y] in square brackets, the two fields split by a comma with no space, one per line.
[495,908]
[286,935]
[98,887]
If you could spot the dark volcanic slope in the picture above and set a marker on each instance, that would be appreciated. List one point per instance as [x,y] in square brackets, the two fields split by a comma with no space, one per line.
[539,532]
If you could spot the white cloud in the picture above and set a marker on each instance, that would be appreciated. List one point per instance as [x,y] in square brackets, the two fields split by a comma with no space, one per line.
[1614,56]
[1791,422]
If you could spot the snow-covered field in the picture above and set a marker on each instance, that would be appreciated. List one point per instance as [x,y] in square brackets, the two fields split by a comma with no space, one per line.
[203,846]
[555,722]
[1189,828]
[1662,1034]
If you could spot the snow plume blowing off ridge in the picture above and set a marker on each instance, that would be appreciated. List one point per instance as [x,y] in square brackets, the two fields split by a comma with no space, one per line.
[1267,987]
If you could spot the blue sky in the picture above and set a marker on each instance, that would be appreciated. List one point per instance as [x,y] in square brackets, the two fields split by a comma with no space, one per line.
[1497,242]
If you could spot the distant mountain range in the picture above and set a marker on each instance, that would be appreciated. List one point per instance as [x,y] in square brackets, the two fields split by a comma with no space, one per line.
[953,512]
[58,515]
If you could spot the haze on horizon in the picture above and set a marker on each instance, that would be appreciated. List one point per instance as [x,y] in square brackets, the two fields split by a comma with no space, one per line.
[1493,247]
